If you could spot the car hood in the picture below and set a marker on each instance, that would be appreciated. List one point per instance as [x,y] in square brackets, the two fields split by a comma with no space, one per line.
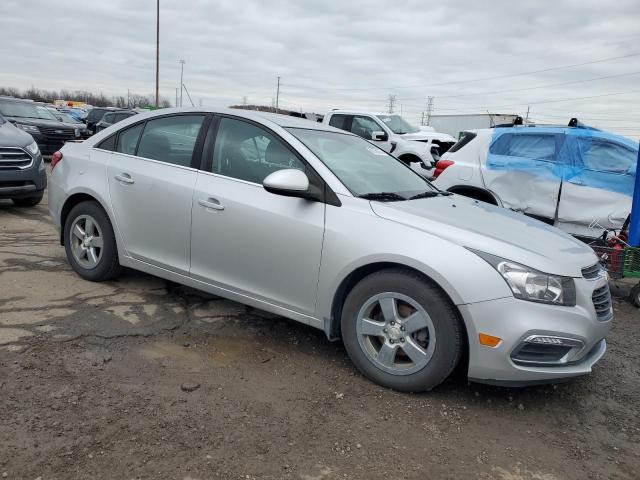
[38,122]
[494,230]
[11,136]
[423,135]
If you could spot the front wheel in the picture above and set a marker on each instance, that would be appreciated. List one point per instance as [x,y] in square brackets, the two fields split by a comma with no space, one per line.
[90,243]
[401,331]
[634,296]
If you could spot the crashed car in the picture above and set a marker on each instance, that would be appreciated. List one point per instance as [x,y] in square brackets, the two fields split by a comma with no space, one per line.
[576,178]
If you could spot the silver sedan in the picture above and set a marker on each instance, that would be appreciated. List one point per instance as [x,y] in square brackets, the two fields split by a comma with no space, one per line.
[322,227]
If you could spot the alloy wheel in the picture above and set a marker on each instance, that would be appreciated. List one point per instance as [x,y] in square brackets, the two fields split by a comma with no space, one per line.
[86,241]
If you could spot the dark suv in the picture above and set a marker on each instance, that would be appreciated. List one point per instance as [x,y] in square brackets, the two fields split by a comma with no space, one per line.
[49,133]
[95,115]
[22,173]
[110,118]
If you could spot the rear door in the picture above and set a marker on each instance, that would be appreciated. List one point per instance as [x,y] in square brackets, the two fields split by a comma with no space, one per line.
[598,189]
[246,239]
[151,180]
[521,168]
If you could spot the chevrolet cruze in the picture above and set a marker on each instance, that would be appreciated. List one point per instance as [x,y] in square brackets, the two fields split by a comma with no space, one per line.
[320,226]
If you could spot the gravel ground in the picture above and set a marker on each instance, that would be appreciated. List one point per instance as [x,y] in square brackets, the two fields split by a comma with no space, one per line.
[141,378]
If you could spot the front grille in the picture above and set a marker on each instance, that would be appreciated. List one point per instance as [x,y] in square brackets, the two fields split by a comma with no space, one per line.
[539,353]
[13,158]
[594,272]
[602,303]
[58,133]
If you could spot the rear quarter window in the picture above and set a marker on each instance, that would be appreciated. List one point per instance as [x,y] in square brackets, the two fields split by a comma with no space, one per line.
[464,140]
[534,146]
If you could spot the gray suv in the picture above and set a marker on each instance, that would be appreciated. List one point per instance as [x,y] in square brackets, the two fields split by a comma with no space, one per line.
[22,173]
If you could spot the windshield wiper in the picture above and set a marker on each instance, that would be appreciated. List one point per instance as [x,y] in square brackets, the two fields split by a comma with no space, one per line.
[383,196]
[430,194]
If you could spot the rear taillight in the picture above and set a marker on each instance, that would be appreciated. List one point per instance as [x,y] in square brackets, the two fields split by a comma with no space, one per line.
[55,158]
[441,166]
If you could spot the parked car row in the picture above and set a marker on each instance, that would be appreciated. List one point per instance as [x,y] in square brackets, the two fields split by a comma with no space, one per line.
[415,280]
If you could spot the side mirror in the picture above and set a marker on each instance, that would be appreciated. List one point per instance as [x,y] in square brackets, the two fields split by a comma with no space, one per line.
[378,136]
[289,182]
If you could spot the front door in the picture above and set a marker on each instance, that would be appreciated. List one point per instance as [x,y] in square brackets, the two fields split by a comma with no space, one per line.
[246,239]
[598,189]
[151,183]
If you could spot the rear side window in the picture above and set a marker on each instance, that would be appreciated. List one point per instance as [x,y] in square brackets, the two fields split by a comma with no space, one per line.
[171,139]
[128,139]
[364,127]
[339,121]
[121,116]
[95,115]
[464,140]
[534,146]
[108,118]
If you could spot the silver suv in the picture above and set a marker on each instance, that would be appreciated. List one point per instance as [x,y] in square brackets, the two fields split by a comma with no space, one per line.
[320,226]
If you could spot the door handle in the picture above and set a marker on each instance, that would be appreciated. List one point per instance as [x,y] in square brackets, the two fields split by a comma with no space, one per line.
[211,202]
[124,178]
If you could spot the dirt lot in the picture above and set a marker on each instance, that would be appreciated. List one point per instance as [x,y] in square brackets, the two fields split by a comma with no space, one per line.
[93,380]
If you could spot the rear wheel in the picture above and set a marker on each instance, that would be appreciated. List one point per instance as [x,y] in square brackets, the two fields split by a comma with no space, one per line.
[28,201]
[90,243]
[401,331]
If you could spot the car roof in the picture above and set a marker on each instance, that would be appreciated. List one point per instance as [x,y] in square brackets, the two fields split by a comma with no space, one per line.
[357,112]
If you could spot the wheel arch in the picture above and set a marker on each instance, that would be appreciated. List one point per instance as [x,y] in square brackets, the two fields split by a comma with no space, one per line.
[477,193]
[72,201]
[332,325]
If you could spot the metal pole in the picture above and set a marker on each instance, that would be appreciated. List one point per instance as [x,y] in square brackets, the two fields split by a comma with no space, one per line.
[278,94]
[185,89]
[176,97]
[634,225]
[181,83]
[157,53]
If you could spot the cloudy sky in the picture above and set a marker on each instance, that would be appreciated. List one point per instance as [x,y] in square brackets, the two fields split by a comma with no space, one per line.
[562,59]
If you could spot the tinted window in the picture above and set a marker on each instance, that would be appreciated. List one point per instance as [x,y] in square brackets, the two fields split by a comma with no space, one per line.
[250,153]
[464,140]
[534,146]
[606,156]
[339,121]
[171,139]
[108,118]
[364,127]
[360,166]
[128,139]
[121,116]
[108,144]
[95,115]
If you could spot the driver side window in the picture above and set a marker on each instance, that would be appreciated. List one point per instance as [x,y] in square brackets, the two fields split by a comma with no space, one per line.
[364,127]
[247,152]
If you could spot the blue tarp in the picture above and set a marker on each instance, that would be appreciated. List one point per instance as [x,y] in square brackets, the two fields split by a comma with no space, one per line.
[579,155]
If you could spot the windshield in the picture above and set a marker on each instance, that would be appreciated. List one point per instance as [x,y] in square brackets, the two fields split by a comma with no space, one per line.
[397,124]
[24,110]
[65,117]
[362,167]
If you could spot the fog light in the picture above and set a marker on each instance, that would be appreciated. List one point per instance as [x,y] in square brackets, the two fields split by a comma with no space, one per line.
[489,340]
[547,340]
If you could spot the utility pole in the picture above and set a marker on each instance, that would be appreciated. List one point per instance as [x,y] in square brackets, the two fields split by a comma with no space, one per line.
[181,83]
[244,100]
[157,54]
[392,102]
[278,94]
[429,109]
[128,96]
[526,120]
[185,89]
[176,97]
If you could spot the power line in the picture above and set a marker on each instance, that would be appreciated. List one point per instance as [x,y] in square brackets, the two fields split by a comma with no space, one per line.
[481,79]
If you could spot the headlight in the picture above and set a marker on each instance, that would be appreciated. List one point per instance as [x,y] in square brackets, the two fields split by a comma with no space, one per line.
[32,148]
[532,285]
[28,128]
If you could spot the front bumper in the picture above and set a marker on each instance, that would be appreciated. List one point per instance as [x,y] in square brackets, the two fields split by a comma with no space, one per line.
[28,182]
[515,321]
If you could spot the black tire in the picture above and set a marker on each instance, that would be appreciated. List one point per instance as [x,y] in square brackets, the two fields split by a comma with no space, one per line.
[108,266]
[634,296]
[28,201]
[449,333]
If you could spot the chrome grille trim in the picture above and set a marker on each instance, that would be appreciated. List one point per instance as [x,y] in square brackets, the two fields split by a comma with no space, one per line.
[14,158]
